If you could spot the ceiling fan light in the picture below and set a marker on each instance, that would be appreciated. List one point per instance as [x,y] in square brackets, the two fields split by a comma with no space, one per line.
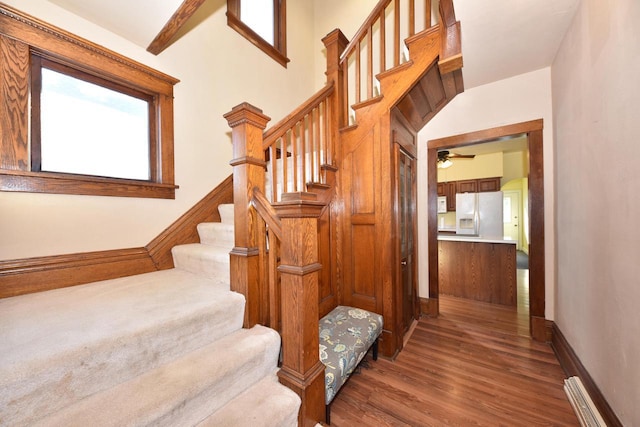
[445,164]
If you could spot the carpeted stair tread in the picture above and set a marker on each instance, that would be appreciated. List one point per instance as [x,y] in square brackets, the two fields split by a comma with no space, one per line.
[265,404]
[216,234]
[205,260]
[65,344]
[183,392]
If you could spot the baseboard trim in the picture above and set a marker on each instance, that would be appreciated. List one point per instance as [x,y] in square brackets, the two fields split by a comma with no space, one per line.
[24,276]
[429,307]
[572,366]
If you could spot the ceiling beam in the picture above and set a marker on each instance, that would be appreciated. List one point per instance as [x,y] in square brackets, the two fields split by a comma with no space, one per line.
[173,25]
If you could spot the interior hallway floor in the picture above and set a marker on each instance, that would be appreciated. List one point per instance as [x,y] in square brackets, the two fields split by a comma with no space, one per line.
[474,365]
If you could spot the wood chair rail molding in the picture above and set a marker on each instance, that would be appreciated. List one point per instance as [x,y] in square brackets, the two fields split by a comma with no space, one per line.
[533,129]
[24,276]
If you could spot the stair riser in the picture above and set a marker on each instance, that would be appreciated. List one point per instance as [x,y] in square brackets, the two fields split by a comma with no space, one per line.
[216,234]
[184,392]
[49,385]
[208,261]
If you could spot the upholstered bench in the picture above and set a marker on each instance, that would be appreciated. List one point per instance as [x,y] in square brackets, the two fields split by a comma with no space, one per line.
[346,334]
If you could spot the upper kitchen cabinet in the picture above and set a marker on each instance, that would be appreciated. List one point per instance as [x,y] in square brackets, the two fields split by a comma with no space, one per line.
[488,184]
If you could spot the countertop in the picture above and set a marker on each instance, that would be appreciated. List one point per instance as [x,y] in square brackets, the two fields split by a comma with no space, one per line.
[474,239]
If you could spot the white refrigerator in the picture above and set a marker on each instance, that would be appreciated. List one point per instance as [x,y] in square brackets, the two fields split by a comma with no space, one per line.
[480,214]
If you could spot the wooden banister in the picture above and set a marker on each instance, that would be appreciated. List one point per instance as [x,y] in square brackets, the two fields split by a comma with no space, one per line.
[260,202]
[357,58]
[280,128]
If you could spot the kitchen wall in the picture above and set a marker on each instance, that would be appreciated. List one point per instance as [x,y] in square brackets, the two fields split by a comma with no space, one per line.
[596,100]
[517,99]
[217,68]
[481,166]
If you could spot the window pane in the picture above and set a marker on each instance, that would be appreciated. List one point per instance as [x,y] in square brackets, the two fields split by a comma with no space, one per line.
[91,130]
[258,15]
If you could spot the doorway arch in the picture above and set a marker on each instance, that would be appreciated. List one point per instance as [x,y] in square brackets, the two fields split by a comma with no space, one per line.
[533,130]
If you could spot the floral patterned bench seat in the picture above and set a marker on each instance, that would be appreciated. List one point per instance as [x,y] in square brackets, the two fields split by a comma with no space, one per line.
[346,334]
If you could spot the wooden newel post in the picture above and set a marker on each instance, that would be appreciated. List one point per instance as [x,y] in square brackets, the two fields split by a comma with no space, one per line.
[247,123]
[335,42]
[301,370]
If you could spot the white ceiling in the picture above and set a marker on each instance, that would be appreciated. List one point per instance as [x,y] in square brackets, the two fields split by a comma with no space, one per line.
[500,38]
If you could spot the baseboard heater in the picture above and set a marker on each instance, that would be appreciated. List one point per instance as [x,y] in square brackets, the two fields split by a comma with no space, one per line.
[587,413]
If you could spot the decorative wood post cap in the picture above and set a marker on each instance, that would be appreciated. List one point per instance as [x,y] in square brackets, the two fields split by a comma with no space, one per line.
[299,205]
[336,36]
[246,113]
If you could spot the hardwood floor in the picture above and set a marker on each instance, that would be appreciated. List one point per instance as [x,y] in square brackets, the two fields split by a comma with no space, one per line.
[473,366]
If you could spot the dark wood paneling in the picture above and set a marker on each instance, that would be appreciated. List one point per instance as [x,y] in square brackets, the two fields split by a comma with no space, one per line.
[572,366]
[478,271]
[467,367]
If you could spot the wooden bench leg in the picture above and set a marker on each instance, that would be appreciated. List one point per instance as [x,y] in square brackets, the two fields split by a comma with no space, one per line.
[328,413]
[375,349]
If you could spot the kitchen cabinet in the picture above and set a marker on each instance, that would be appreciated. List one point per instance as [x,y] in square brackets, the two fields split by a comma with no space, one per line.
[490,277]
[467,186]
[450,189]
[488,184]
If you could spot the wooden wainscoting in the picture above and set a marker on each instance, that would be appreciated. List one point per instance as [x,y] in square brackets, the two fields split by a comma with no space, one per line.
[24,276]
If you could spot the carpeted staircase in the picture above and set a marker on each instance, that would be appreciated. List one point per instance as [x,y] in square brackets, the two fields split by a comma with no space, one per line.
[163,349]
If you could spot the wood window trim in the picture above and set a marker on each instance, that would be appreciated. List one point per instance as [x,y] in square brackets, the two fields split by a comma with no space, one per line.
[23,36]
[277,51]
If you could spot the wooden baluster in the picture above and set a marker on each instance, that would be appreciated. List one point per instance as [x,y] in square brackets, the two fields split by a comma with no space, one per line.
[274,285]
[396,33]
[358,73]
[311,162]
[316,145]
[301,369]
[412,17]
[303,152]
[294,154]
[383,41]
[274,175]
[247,125]
[427,14]
[285,163]
[370,63]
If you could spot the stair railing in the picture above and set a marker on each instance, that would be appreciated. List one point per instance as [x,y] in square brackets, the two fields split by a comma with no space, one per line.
[288,300]
[299,148]
[378,46]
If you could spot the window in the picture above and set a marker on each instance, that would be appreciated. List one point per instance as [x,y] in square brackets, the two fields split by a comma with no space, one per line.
[87,125]
[263,23]
[80,119]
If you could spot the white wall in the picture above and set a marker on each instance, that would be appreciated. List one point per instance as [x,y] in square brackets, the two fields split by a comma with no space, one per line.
[517,99]
[348,16]
[596,101]
[218,69]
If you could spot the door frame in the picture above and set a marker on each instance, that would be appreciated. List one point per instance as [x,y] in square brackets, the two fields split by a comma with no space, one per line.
[538,326]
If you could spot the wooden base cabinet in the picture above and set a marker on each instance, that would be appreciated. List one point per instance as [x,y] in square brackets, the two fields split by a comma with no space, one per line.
[478,270]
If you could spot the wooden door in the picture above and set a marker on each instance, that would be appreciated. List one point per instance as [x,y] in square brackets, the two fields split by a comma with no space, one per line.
[406,209]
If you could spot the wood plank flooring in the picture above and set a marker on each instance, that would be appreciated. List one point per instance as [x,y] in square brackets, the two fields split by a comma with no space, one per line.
[472,366]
